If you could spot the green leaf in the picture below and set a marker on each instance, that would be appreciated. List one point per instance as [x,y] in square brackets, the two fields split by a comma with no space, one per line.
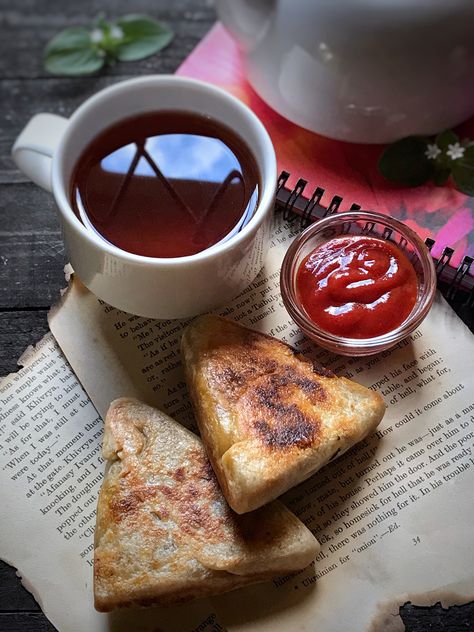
[100,22]
[448,137]
[405,162]
[463,171]
[142,37]
[71,52]
[132,37]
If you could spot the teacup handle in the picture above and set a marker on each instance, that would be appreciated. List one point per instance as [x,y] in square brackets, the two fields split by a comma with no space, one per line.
[33,149]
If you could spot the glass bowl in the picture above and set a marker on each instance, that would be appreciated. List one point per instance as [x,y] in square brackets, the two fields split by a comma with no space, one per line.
[371,225]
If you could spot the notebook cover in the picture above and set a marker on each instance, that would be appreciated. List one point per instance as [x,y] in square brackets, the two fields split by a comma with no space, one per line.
[345,169]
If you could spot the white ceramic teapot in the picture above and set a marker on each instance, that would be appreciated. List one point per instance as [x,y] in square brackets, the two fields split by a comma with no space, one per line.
[368,71]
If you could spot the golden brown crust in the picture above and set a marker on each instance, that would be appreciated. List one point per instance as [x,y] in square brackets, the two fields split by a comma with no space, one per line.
[269,417]
[164,531]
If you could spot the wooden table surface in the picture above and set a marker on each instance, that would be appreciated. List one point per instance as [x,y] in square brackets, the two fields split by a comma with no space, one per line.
[32,254]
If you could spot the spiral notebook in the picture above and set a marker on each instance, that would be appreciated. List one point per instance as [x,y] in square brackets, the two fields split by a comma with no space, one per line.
[319,176]
[456,283]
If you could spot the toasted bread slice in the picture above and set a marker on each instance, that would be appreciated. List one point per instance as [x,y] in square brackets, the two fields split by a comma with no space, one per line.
[164,530]
[268,416]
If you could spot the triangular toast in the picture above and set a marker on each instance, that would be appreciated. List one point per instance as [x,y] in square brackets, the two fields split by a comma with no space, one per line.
[164,530]
[268,416]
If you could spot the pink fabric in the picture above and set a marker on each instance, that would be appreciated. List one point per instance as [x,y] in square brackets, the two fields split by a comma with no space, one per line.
[344,169]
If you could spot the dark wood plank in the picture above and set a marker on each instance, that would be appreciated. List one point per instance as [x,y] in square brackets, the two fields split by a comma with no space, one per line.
[438,619]
[14,598]
[25,622]
[23,98]
[28,26]
[18,329]
[32,254]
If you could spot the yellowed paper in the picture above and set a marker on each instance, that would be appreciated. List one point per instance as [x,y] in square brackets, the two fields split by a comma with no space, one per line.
[50,475]
[393,515]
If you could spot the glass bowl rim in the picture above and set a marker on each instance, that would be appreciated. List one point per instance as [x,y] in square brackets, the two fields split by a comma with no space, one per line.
[418,313]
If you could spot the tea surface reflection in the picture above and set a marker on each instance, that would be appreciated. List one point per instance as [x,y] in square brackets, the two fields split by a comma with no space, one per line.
[165,184]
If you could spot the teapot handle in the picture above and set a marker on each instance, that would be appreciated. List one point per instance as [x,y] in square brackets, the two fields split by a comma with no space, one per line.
[33,149]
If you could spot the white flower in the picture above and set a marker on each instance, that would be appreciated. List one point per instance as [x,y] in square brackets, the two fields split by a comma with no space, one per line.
[455,151]
[116,32]
[96,35]
[432,151]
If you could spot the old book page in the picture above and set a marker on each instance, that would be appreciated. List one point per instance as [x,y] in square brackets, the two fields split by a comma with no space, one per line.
[393,515]
[50,474]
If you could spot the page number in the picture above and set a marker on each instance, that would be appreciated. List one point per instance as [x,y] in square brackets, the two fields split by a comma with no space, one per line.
[416,540]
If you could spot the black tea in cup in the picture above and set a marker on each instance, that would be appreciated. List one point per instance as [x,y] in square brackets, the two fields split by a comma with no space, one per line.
[165,184]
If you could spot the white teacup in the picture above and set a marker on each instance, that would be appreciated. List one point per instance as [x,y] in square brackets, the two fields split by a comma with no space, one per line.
[47,151]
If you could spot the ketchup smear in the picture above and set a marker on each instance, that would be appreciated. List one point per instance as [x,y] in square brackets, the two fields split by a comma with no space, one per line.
[357,287]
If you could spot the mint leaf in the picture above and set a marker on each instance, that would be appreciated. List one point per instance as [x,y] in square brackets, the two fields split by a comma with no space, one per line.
[71,52]
[462,170]
[142,37]
[79,51]
[100,22]
[405,162]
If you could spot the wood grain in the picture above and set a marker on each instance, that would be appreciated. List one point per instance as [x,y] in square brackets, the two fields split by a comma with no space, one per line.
[438,619]
[28,25]
[18,329]
[25,622]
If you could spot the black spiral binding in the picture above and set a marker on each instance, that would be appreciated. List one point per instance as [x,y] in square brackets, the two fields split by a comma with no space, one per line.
[294,204]
[456,284]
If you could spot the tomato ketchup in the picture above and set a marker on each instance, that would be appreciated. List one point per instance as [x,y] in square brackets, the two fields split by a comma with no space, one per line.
[357,286]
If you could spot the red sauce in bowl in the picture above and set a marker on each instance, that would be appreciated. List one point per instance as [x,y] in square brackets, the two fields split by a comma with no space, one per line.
[357,287]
